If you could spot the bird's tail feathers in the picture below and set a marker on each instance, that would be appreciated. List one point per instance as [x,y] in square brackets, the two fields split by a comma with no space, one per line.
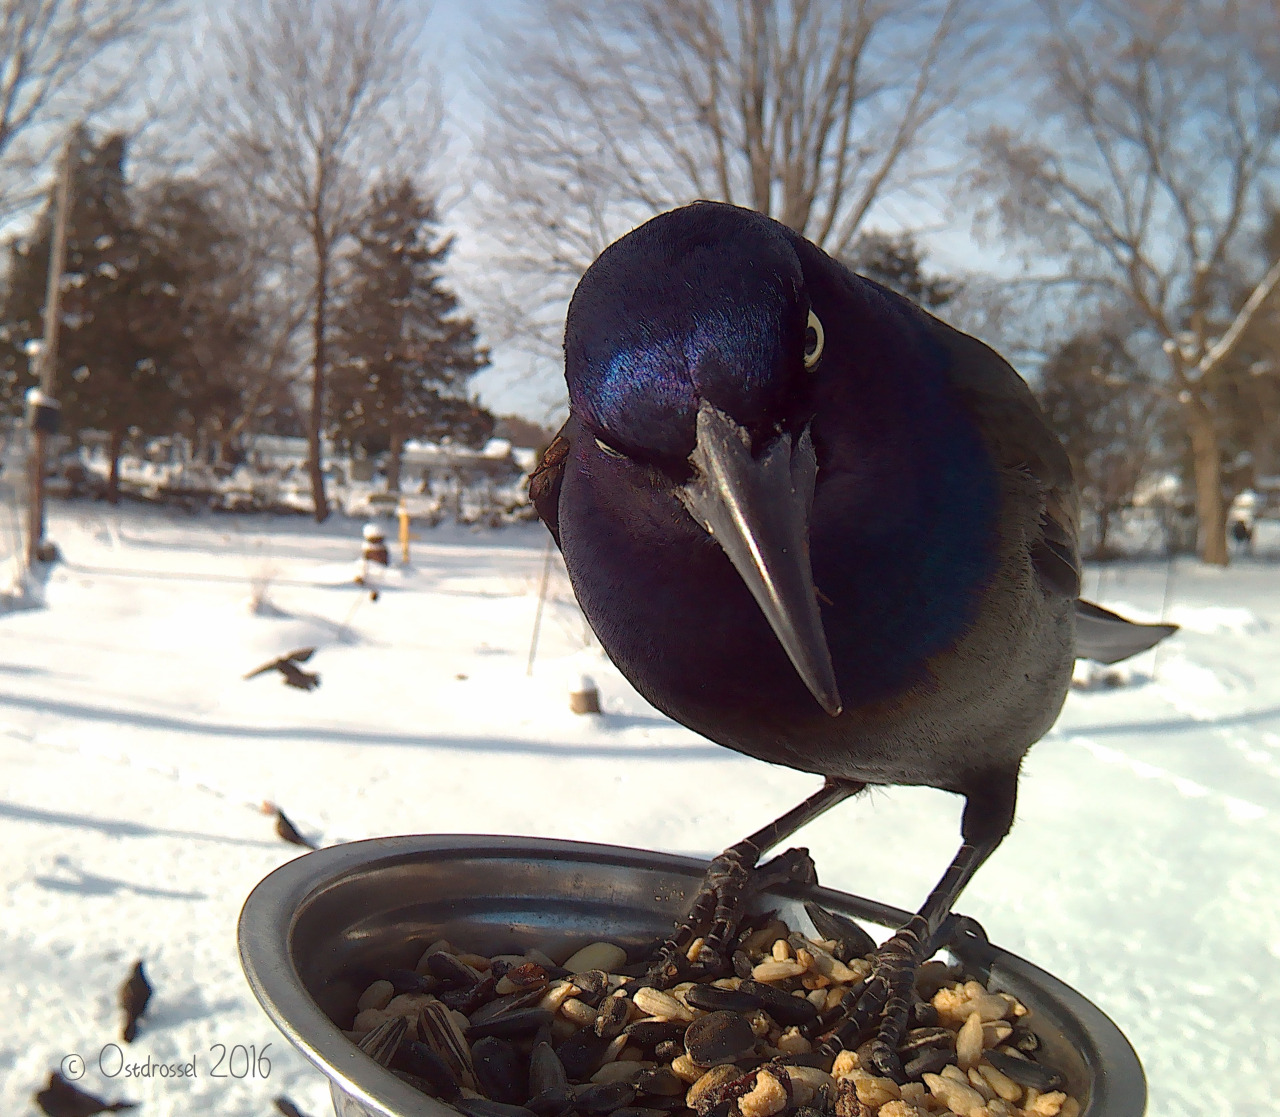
[1107,637]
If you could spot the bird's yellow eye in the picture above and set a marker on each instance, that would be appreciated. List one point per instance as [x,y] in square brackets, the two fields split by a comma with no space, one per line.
[813,339]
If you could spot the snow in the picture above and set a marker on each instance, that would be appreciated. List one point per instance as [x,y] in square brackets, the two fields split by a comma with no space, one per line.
[1143,868]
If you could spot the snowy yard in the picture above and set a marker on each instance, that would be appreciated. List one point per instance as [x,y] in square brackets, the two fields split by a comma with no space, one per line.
[1144,868]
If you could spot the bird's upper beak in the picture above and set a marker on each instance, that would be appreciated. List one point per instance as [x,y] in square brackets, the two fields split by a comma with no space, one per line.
[757,509]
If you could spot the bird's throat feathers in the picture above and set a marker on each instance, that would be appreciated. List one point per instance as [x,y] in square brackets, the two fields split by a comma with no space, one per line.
[905,529]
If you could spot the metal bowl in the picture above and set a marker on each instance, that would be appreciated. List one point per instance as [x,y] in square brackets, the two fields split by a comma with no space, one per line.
[314,934]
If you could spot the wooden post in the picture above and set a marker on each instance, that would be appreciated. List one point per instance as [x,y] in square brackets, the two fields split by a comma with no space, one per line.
[403,514]
[48,357]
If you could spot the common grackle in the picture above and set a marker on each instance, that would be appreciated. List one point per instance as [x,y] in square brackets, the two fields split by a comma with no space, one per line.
[819,526]
[61,1099]
[133,998]
[287,665]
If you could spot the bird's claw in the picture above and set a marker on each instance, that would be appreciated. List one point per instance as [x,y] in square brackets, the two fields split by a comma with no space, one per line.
[876,1013]
[731,881]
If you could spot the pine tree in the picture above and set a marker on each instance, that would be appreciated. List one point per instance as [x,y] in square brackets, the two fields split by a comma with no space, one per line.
[120,324]
[1099,402]
[898,263]
[146,328]
[216,313]
[402,351]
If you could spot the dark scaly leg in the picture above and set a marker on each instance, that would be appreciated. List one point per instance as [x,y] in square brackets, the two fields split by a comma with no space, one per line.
[733,878]
[881,1008]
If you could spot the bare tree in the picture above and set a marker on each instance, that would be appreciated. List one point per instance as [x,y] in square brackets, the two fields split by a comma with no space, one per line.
[1144,170]
[308,101]
[62,61]
[1096,398]
[812,111]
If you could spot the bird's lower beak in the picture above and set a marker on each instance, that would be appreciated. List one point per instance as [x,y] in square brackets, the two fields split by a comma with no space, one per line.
[757,509]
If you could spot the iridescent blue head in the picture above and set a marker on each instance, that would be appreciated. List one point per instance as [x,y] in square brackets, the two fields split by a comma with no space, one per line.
[684,344]
[705,303]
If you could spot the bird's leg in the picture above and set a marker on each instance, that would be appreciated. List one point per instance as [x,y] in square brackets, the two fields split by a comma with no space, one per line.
[730,882]
[881,1004]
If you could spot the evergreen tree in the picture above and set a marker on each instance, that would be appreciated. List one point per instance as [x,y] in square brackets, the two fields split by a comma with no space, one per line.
[147,326]
[120,321]
[1099,402]
[216,313]
[898,263]
[402,351]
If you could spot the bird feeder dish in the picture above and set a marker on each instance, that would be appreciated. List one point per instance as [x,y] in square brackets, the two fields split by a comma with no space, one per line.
[316,931]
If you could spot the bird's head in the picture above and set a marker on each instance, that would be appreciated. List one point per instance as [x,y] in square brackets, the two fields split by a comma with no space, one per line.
[688,345]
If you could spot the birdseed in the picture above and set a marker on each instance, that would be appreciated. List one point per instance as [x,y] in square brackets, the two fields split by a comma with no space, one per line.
[520,1036]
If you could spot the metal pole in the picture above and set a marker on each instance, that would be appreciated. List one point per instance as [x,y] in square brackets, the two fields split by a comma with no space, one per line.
[542,596]
[49,353]
[1164,611]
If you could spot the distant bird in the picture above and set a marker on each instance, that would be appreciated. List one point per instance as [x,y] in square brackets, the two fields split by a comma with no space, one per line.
[61,1099]
[287,665]
[289,832]
[285,1106]
[134,995]
[819,526]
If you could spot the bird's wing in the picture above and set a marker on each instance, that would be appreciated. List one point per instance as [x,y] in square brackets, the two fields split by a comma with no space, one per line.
[1106,637]
[301,655]
[1020,439]
[545,480]
[272,666]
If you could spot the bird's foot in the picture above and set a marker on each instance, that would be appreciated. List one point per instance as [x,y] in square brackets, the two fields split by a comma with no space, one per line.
[718,907]
[877,1012]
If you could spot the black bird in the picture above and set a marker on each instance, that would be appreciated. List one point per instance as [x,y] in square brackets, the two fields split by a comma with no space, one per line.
[61,1099]
[819,526]
[286,830]
[286,1106]
[287,665]
[134,995]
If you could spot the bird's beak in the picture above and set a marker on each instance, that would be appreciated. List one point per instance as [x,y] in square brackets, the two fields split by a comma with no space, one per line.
[757,509]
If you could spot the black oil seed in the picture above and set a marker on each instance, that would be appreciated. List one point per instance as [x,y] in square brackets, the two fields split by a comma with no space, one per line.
[928,1060]
[612,1017]
[500,1072]
[1024,1072]
[417,1059]
[648,1033]
[719,1037]
[581,1053]
[483,1107]
[604,1097]
[520,1022]
[783,1007]
[410,981]
[552,1103]
[850,939]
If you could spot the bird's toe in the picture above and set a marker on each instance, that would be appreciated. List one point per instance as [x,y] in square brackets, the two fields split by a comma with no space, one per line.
[732,880]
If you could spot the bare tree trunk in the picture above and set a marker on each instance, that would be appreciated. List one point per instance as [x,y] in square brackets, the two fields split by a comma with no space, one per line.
[1206,458]
[316,425]
[308,99]
[1147,172]
[393,463]
[114,449]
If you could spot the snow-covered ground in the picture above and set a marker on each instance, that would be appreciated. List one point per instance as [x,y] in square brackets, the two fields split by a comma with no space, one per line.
[1144,868]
